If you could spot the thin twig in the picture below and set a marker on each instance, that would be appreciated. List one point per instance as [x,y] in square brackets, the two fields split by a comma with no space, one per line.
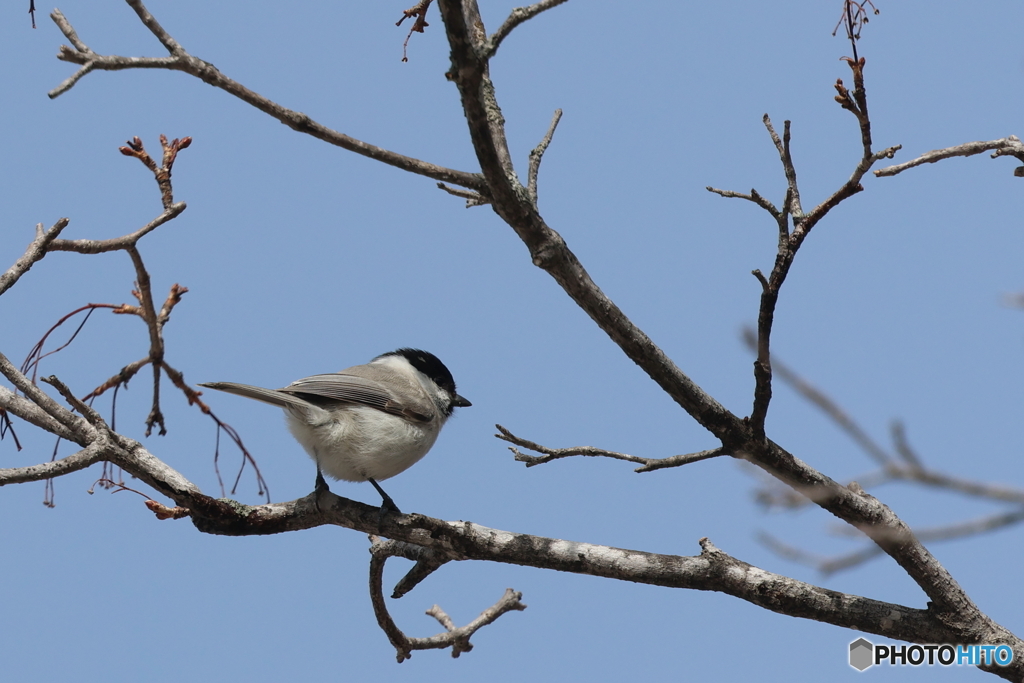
[36,250]
[515,18]
[648,464]
[83,409]
[156,29]
[754,196]
[831,565]
[420,12]
[537,154]
[788,168]
[472,198]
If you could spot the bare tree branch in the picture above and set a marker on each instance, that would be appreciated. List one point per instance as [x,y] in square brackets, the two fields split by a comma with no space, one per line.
[517,17]
[950,617]
[892,470]
[35,252]
[80,430]
[181,60]
[790,241]
[428,560]
[832,565]
[1008,146]
[549,251]
[822,401]
[88,456]
[472,198]
[711,570]
[754,196]
[649,464]
[30,412]
[538,154]
[80,407]
[457,638]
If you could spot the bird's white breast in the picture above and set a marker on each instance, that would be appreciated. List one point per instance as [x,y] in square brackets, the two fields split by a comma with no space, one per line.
[360,443]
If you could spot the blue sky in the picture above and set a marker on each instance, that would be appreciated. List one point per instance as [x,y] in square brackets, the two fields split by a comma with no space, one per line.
[302,258]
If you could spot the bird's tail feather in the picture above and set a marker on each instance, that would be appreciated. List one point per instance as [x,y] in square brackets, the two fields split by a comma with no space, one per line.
[271,396]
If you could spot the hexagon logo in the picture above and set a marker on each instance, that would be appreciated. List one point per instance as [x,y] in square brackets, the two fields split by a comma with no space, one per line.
[862,654]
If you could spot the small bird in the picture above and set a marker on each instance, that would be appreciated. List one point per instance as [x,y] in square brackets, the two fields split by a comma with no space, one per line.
[368,422]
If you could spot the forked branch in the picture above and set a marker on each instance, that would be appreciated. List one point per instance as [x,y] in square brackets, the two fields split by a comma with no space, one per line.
[454,637]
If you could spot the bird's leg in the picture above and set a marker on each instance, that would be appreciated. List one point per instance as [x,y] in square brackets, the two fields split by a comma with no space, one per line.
[387,504]
[321,485]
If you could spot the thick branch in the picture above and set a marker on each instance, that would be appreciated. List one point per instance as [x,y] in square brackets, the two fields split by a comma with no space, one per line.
[711,570]
[511,201]
[548,250]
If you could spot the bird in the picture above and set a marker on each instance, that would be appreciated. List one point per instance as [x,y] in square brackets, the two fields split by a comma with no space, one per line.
[367,422]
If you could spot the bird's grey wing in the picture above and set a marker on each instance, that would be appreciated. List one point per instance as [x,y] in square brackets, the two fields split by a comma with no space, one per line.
[366,385]
[271,396]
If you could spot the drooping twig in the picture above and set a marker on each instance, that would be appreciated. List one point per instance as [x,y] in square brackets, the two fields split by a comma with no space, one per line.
[30,366]
[418,26]
[855,16]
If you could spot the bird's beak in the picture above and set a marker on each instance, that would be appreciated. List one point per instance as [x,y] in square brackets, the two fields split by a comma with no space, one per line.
[459,402]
